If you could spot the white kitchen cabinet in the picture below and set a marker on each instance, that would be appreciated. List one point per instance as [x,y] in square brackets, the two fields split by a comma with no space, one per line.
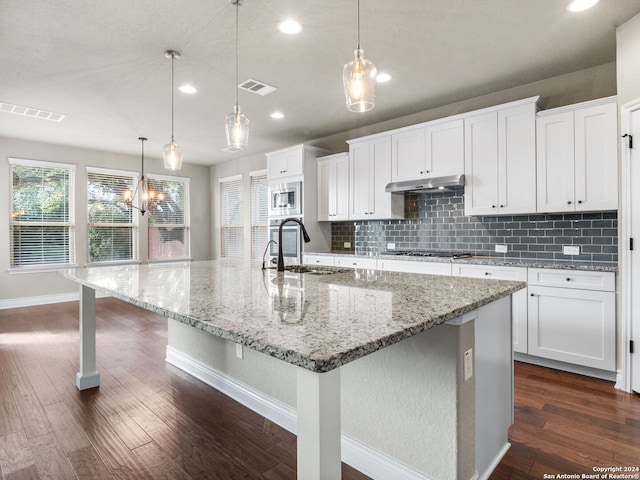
[574,325]
[500,160]
[434,149]
[290,162]
[369,174]
[577,157]
[325,260]
[519,299]
[433,268]
[351,261]
[333,187]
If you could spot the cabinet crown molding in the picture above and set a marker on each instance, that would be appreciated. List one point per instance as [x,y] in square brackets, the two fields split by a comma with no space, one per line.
[577,106]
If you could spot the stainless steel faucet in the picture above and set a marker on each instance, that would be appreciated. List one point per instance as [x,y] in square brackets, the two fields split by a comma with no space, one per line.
[305,236]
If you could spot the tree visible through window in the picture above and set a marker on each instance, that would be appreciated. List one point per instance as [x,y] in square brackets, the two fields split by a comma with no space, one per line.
[169,221]
[42,221]
[111,223]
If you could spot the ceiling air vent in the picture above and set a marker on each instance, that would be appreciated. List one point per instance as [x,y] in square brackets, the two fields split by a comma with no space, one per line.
[255,86]
[31,112]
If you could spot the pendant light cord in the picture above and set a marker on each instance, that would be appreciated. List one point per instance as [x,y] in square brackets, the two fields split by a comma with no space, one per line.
[173,59]
[237,50]
[358,24]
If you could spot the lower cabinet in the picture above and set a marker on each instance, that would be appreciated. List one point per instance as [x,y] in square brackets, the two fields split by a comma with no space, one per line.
[574,322]
[519,299]
[433,268]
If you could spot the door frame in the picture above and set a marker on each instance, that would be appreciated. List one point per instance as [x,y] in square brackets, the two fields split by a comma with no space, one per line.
[624,381]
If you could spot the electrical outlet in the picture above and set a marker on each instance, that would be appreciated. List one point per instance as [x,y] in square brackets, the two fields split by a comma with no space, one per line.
[239,352]
[347,245]
[571,249]
[501,249]
[391,246]
[468,364]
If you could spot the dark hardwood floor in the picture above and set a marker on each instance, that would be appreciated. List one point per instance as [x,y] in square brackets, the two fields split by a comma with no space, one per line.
[150,420]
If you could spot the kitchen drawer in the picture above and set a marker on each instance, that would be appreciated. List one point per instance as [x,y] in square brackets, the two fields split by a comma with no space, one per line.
[328,260]
[585,280]
[490,271]
[356,262]
[433,268]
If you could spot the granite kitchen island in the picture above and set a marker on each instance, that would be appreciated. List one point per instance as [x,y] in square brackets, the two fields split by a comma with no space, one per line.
[419,365]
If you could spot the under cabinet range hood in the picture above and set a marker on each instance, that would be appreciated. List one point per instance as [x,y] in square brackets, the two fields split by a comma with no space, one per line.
[424,185]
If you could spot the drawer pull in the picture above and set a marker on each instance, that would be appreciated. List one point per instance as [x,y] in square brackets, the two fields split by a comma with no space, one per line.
[487,273]
[568,279]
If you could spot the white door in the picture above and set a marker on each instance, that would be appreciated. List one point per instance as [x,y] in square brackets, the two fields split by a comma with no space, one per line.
[341,187]
[445,148]
[380,200]
[630,219]
[324,190]
[408,157]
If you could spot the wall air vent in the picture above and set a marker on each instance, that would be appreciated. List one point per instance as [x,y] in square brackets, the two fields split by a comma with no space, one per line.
[255,86]
[31,112]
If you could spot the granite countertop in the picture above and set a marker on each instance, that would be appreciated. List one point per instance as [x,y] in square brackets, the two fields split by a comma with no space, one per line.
[316,321]
[494,261]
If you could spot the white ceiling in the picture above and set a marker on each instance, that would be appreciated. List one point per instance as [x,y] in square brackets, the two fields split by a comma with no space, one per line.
[102,64]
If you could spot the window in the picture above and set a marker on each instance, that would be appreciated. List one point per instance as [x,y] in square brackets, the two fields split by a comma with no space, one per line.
[231,217]
[169,221]
[111,225]
[259,214]
[42,230]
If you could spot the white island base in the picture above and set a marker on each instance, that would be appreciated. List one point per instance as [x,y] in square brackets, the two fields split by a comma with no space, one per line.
[407,411]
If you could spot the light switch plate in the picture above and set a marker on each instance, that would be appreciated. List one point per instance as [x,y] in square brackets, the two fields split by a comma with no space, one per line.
[502,249]
[571,249]
[468,364]
[391,246]
[347,245]
[239,352]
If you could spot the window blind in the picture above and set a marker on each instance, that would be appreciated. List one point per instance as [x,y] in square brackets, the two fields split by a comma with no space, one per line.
[42,230]
[111,231]
[169,221]
[231,226]
[259,215]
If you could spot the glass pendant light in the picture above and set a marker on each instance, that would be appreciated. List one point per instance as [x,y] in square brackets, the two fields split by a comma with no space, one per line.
[236,124]
[359,79]
[172,152]
[147,198]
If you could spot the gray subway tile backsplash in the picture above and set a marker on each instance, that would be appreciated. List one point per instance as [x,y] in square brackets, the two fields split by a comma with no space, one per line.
[436,221]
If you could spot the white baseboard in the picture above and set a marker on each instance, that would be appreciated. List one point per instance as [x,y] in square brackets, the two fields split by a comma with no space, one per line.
[359,456]
[498,458]
[567,367]
[43,300]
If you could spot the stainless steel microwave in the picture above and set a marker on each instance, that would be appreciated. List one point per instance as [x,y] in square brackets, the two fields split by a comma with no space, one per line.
[285,199]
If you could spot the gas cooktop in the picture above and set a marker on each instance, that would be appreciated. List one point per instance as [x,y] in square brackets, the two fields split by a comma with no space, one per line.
[428,253]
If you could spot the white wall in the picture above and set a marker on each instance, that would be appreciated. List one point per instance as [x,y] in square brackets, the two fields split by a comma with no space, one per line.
[27,285]
[628,60]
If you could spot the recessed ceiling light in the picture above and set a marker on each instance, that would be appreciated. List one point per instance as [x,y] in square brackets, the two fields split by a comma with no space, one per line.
[580,5]
[383,78]
[290,27]
[187,89]
[277,115]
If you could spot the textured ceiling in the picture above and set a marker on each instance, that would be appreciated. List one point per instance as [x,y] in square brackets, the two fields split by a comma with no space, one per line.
[102,64]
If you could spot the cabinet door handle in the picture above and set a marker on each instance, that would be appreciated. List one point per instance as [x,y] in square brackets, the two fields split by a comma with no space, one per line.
[569,202]
[493,206]
[421,172]
[487,273]
[568,279]
[532,295]
[579,201]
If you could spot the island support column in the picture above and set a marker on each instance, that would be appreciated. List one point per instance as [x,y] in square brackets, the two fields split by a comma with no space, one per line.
[87,377]
[318,406]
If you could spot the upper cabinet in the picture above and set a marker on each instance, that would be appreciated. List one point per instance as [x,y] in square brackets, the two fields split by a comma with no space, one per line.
[333,187]
[434,149]
[369,174]
[500,159]
[290,162]
[578,157]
